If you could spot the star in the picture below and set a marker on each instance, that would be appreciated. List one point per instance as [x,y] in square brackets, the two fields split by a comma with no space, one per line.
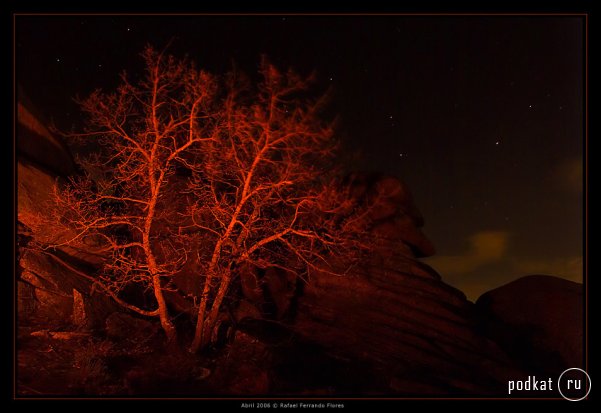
[129,29]
[331,78]
[530,106]
[58,59]
[497,143]
[390,116]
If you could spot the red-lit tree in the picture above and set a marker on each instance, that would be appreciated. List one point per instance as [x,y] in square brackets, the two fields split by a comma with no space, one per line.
[256,188]
[264,189]
[139,135]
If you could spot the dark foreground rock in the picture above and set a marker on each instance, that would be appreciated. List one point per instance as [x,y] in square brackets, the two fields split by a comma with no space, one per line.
[416,331]
[538,320]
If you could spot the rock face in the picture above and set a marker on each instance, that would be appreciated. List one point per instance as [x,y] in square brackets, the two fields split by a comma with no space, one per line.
[423,336]
[538,320]
[50,283]
[419,332]
[394,225]
[395,220]
[35,143]
[389,327]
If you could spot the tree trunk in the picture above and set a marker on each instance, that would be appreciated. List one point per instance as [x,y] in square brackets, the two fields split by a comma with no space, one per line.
[204,328]
[166,323]
[200,319]
[199,332]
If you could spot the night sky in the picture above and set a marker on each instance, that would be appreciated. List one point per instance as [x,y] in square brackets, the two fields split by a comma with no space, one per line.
[481,116]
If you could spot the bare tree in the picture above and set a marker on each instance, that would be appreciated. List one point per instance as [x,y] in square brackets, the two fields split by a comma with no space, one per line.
[265,189]
[257,186]
[140,134]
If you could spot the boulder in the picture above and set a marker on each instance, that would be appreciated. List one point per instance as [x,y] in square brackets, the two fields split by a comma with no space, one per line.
[538,320]
[419,331]
[61,288]
[387,195]
[50,302]
[393,220]
[270,291]
[401,230]
[391,197]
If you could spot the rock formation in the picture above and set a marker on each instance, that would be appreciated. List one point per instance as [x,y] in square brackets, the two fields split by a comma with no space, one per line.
[50,285]
[395,315]
[538,320]
[389,327]
[37,145]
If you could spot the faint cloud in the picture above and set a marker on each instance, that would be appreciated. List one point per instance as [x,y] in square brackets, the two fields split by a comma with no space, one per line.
[569,176]
[486,264]
[484,247]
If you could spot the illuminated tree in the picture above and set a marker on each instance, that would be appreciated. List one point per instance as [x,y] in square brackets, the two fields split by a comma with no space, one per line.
[187,164]
[264,189]
[139,134]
